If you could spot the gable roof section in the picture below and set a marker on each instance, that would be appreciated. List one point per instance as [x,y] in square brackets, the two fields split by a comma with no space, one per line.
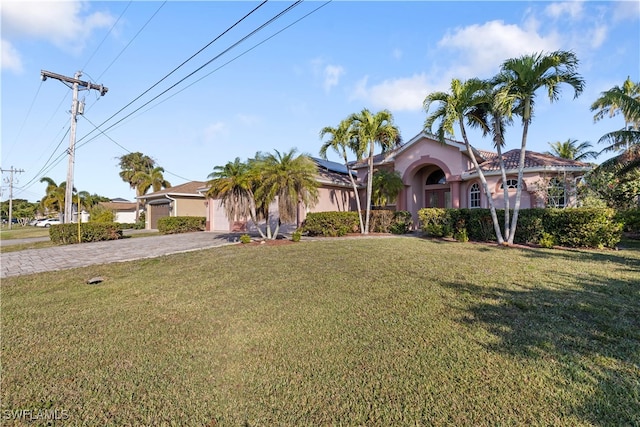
[533,161]
[119,206]
[188,189]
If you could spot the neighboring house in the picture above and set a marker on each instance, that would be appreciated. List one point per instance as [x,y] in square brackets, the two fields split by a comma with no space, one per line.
[443,176]
[181,200]
[123,210]
[335,193]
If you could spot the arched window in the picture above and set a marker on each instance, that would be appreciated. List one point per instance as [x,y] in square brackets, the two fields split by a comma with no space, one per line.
[437,177]
[556,193]
[512,184]
[474,196]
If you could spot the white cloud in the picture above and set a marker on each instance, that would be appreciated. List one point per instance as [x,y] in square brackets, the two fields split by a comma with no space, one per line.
[598,36]
[572,8]
[214,131]
[64,23]
[626,10]
[332,75]
[10,57]
[402,94]
[478,50]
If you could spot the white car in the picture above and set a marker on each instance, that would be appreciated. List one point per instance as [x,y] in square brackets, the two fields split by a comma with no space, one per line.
[48,222]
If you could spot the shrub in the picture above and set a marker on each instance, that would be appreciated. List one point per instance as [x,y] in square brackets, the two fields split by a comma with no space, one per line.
[546,240]
[296,236]
[245,239]
[631,219]
[461,235]
[402,222]
[181,224]
[380,221]
[583,227]
[101,214]
[89,232]
[435,222]
[331,224]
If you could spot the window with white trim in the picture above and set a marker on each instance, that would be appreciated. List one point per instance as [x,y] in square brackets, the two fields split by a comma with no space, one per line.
[474,196]
[512,184]
[556,193]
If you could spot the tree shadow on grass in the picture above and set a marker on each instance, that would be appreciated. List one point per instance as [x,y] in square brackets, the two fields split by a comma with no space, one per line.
[592,331]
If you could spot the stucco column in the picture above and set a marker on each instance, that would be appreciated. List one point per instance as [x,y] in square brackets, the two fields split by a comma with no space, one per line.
[455,193]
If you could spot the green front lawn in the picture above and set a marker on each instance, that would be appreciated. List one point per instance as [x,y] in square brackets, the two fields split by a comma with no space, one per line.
[394,331]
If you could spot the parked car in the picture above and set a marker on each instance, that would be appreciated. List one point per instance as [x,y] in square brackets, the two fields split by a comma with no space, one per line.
[48,222]
[34,222]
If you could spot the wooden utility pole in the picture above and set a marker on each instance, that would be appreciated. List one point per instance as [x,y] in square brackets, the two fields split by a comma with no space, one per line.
[76,108]
[10,181]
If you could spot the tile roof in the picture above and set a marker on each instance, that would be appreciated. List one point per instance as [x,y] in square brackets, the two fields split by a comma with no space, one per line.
[532,160]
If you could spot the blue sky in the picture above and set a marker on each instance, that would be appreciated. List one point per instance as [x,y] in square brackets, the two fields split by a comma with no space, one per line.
[280,86]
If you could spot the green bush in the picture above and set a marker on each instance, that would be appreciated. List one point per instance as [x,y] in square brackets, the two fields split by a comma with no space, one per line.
[245,238]
[181,224]
[402,222]
[546,240]
[296,236]
[101,214]
[63,234]
[331,224]
[380,221]
[461,235]
[631,219]
[574,227]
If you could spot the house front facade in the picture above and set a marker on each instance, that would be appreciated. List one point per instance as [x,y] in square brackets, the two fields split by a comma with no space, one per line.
[443,176]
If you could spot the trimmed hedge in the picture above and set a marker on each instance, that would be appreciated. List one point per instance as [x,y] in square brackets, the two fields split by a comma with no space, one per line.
[332,224]
[64,234]
[181,224]
[631,220]
[579,227]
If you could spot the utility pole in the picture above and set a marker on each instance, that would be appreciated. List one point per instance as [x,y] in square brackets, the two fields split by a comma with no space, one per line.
[10,181]
[76,108]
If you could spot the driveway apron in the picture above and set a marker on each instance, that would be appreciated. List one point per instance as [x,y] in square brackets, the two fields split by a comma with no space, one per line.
[82,255]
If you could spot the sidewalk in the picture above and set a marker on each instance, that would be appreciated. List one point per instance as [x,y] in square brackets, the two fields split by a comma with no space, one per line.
[65,257]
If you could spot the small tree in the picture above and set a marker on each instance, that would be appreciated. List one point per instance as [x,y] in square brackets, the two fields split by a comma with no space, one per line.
[387,185]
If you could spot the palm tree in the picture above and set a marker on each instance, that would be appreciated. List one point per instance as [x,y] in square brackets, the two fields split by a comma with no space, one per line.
[289,178]
[54,195]
[132,164]
[570,149]
[369,130]
[232,184]
[520,78]
[626,141]
[153,179]
[491,117]
[387,185]
[462,102]
[341,138]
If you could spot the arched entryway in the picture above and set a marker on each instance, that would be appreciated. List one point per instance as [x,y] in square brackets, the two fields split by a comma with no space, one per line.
[437,192]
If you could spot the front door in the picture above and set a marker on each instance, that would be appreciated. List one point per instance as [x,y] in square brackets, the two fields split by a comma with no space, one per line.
[437,198]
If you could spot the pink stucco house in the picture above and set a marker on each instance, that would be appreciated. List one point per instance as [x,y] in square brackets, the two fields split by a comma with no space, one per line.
[442,175]
[439,175]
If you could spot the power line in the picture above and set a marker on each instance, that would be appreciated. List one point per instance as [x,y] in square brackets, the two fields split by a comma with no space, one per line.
[105,37]
[24,122]
[179,66]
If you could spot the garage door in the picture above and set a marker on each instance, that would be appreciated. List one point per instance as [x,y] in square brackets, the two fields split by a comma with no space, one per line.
[157,212]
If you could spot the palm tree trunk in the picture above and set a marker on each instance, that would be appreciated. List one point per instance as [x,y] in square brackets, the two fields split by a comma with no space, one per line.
[516,208]
[369,188]
[253,214]
[485,186]
[355,192]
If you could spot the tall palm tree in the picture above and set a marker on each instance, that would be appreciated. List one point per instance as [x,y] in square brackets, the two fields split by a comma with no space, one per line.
[626,141]
[341,139]
[520,79]
[232,184]
[491,117]
[387,185]
[153,179]
[371,129]
[462,102]
[54,195]
[132,164]
[289,178]
[570,149]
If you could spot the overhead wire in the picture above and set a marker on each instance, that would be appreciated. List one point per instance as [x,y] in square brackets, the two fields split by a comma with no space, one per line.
[270,21]
[33,101]
[179,66]
[106,35]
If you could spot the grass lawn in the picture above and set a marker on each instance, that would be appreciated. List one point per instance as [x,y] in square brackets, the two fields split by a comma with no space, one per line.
[20,232]
[376,332]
